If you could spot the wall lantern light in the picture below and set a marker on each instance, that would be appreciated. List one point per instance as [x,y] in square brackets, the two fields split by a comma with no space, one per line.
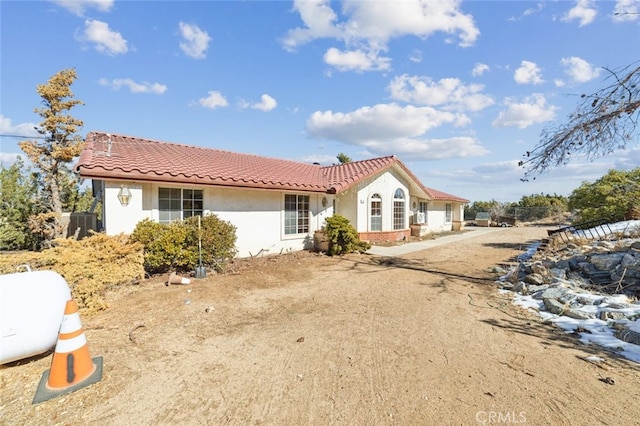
[324,201]
[124,195]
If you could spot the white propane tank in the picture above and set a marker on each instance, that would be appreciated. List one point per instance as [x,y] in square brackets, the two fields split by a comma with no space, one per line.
[31,309]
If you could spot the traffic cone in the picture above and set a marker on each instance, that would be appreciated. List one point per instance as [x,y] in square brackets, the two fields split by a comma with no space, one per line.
[177,279]
[71,367]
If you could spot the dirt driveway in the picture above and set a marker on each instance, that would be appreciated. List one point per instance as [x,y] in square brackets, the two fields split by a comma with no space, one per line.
[304,339]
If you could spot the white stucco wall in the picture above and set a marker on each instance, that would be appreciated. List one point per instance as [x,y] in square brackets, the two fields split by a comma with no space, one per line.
[437,215]
[123,219]
[385,185]
[258,215]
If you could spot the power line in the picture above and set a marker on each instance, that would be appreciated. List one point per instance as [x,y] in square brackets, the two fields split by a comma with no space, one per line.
[22,136]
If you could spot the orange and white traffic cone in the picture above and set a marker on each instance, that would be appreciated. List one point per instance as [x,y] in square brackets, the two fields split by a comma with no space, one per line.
[71,367]
[177,279]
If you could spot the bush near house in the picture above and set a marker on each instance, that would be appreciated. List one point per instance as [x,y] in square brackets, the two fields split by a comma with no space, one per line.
[174,246]
[343,237]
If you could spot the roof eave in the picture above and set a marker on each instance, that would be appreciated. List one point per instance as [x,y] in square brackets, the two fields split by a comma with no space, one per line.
[121,175]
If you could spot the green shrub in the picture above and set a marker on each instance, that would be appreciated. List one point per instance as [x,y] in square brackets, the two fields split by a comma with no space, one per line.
[343,237]
[174,246]
[218,241]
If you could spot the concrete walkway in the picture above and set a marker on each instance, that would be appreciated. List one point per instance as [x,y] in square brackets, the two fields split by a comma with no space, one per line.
[400,249]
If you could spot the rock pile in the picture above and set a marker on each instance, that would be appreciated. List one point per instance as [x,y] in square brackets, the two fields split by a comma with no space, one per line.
[611,267]
[597,283]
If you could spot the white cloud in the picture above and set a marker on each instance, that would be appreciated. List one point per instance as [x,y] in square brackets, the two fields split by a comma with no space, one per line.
[579,70]
[144,87]
[356,60]
[319,19]
[626,10]
[267,103]
[416,56]
[583,11]
[321,159]
[479,69]
[532,110]
[105,40]
[23,129]
[7,159]
[534,10]
[213,100]
[428,149]
[450,93]
[386,129]
[497,168]
[382,121]
[368,26]
[626,159]
[195,41]
[528,73]
[529,11]
[78,7]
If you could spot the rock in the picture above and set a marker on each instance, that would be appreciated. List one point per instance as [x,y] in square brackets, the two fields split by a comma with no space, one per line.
[520,287]
[576,261]
[631,260]
[507,286]
[536,295]
[536,288]
[586,268]
[606,262]
[560,264]
[535,279]
[578,314]
[540,269]
[568,299]
[611,315]
[554,293]
[498,270]
[628,336]
[553,306]
[585,300]
[615,305]
[559,273]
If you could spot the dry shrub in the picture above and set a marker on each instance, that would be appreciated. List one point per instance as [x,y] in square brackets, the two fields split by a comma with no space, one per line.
[90,266]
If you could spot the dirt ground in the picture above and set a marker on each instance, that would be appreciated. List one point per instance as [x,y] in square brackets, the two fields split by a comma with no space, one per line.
[306,339]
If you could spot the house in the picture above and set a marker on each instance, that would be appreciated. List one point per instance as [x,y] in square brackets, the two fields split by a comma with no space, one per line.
[276,205]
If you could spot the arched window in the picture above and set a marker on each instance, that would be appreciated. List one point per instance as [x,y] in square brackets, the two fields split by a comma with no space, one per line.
[375,213]
[399,209]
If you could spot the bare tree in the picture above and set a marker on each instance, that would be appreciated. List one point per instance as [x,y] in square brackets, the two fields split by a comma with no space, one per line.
[51,154]
[603,122]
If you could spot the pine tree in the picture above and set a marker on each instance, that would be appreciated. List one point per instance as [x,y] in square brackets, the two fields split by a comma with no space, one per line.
[51,154]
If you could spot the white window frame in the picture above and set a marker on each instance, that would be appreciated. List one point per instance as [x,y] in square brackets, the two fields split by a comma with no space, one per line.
[179,205]
[375,221]
[399,210]
[297,219]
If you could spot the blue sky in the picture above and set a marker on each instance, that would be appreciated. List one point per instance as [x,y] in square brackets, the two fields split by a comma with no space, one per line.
[459,91]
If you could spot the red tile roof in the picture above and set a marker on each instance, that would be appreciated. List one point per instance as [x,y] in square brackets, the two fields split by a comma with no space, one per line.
[112,156]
